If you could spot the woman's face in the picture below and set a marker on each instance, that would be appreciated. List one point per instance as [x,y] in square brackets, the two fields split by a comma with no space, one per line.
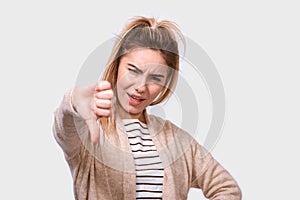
[142,75]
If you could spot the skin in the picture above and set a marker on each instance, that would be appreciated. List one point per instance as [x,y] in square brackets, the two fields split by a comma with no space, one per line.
[91,102]
[142,74]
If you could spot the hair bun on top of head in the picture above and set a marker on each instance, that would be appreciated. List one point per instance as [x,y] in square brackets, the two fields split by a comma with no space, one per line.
[151,33]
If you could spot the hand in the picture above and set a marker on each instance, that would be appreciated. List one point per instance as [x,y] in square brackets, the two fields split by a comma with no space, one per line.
[92,102]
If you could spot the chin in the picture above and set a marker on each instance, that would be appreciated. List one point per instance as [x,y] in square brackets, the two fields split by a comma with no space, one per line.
[135,112]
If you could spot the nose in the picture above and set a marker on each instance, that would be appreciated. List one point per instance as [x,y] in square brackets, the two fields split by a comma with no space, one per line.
[140,89]
[141,84]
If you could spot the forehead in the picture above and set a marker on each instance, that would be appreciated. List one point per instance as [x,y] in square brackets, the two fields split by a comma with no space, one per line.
[143,56]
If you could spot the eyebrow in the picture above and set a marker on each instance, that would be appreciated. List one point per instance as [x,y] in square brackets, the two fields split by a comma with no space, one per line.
[135,67]
[158,75]
[140,71]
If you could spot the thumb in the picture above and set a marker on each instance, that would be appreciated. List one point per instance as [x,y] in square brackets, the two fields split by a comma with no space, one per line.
[94,130]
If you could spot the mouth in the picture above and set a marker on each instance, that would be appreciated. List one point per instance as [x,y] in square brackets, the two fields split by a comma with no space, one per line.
[135,99]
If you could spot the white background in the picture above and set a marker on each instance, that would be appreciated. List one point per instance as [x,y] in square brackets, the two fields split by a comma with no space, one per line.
[254,45]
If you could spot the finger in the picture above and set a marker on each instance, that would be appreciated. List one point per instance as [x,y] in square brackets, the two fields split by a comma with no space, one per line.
[102,112]
[103,85]
[105,94]
[103,103]
[94,130]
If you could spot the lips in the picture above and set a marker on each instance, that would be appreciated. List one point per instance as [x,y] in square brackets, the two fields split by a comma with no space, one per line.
[135,99]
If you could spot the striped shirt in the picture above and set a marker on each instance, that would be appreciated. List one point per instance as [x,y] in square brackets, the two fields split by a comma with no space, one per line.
[149,169]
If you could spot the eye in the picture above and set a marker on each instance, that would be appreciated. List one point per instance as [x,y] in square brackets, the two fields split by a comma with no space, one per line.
[132,70]
[156,78]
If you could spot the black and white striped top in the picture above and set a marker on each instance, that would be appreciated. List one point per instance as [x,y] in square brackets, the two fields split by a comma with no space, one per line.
[149,169]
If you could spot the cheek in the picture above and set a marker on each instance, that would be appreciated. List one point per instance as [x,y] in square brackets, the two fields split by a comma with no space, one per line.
[155,90]
[124,81]
[120,75]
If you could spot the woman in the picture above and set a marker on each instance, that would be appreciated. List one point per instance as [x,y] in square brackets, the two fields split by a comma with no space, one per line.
[115,150]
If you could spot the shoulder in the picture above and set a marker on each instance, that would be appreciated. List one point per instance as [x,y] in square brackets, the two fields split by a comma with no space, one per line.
[169,131]
[160,124]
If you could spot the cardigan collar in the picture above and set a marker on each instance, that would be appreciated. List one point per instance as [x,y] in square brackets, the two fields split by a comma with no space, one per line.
[154,123]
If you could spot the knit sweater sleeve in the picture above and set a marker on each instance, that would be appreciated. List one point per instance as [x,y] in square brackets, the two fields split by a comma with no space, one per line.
[214,180]
[65,129]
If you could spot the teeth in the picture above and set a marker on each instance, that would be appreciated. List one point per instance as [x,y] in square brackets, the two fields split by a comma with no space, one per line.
[136,98]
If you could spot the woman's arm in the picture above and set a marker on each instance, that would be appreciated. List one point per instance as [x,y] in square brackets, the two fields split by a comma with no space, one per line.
[214,180]
[64,127]
[76,117]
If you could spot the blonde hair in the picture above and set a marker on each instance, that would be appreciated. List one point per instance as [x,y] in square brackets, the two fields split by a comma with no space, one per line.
[143,32]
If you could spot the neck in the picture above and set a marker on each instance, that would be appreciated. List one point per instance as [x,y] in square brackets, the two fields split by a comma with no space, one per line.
[123,114]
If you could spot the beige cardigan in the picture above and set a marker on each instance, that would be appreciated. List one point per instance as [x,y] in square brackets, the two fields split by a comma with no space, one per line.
[106,170]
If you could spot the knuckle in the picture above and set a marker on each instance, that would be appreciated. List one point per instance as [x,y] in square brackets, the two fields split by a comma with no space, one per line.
[98,103]
[103,103]
[103,112]
[97,95]
[107,84]
[104,85]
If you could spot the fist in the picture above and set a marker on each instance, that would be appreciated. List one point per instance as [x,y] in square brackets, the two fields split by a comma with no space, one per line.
[92,102]
[103,99]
